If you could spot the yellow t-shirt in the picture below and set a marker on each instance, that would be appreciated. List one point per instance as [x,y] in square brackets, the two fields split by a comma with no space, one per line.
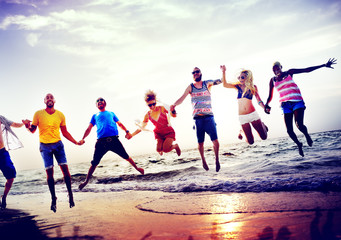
[49,125]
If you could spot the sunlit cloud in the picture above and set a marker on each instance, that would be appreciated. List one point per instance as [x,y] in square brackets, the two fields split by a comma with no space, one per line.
[33,39]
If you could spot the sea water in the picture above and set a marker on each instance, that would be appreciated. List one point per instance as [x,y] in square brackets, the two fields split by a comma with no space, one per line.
[273,165]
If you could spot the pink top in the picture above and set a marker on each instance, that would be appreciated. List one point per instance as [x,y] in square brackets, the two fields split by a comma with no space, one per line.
[288,90]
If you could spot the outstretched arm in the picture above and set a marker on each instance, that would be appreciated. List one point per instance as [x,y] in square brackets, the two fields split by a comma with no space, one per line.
[225,83]
[67,135]
[181,99]
[260,102]
[17,125]
[142,126]
[271,91]
[29,126]
[329,64]
[128,135]
[87,131]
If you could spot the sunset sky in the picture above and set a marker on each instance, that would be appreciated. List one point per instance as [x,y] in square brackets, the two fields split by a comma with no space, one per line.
[80,50]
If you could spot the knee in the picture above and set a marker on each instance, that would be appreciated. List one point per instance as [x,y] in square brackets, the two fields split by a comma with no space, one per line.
[250,141]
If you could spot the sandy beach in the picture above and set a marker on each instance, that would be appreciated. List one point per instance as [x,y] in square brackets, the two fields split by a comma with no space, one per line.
[159,215]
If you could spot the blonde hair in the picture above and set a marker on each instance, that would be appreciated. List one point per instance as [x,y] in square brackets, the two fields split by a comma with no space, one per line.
[149,96]
[248,82]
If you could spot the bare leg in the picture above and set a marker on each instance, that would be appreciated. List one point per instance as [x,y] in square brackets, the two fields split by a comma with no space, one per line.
[90,172]
[130,160]
[299,117]
[288,117]
[50,182]
[67,179]
[8,186]
[159,145]
[201,151]
[260,128]
[169,146]
[216,152]
[248,133]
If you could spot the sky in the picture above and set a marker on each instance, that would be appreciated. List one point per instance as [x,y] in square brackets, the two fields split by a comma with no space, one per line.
[118,49]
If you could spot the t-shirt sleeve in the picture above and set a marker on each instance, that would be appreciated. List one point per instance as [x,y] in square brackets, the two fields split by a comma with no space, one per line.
[35,120]
[93,120]
[62,118]
[115,117]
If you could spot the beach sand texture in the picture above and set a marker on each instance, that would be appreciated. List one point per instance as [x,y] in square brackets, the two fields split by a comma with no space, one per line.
[159,215]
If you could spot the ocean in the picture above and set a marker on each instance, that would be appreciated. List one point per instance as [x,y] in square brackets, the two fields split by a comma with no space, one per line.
[273,165]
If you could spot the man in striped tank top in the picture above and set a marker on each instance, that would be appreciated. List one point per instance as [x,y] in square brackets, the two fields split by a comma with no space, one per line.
[291,99]
[202,113]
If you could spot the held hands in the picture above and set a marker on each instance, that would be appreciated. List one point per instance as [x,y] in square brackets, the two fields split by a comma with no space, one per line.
[128,135]
[330,62]
[172,108]
[267,109]
[81,142]
[27,123]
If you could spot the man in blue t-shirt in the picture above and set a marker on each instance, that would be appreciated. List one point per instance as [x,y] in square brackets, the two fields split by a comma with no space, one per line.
[107,138]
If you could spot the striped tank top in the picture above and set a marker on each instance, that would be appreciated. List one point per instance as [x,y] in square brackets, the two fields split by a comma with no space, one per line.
[201,100]
[288,90]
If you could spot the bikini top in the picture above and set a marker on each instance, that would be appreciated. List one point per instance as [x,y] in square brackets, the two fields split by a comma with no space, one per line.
[247,94]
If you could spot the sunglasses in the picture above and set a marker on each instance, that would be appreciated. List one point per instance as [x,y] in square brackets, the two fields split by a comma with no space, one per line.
[197,71]
[151,104]
[100,100]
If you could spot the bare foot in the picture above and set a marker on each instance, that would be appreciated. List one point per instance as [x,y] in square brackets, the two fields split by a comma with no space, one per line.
[82,185]
[3,203]
[178,150]
[141,170]
[240,136]
[309,140]
[204,165]
[300,149]
[72,203]
[217,166]
[54,205]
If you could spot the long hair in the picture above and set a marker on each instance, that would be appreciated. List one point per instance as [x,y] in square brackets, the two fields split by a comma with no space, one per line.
[248,82]
[149,96]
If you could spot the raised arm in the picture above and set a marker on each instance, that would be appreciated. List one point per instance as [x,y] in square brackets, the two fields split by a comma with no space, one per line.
[225,83]
[181,99]
[329,64]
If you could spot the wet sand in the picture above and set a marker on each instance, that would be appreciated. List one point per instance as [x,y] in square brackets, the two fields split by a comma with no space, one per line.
[158,215]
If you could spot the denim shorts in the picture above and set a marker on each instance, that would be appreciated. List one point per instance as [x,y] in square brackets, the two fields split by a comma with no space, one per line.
[290,106]
[205,124]
[48,150]
[6,164]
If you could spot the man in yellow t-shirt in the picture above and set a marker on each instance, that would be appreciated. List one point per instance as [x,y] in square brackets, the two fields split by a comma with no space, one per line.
[50,121]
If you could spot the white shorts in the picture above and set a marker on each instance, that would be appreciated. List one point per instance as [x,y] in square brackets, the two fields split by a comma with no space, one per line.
[248,118]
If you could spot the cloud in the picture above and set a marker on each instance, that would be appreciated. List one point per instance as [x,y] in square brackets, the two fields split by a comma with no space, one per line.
[32,39]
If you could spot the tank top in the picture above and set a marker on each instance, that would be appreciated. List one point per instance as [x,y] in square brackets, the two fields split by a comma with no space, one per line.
[201,100]
[288,90]
[161,123]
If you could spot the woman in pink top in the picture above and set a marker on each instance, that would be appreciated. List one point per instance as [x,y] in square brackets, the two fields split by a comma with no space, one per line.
[164,133]
[291,99]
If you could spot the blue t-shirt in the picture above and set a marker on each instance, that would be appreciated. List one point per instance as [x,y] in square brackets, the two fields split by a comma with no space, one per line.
[106,124]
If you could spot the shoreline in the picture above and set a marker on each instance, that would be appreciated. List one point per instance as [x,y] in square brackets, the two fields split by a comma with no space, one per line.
[159,215]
